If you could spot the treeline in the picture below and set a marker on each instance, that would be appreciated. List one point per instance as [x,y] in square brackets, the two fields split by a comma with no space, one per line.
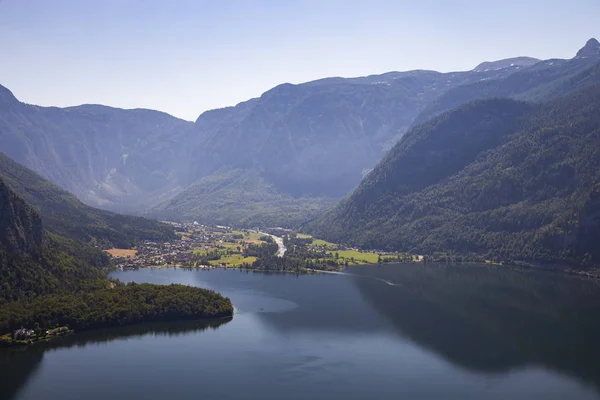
[116,306]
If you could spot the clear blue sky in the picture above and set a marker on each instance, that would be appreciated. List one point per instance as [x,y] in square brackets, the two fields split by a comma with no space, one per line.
[187,56]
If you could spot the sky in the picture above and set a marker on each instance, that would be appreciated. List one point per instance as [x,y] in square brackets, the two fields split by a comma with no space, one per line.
[187,56]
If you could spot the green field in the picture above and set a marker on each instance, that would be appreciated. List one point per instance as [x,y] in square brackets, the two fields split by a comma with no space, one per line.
[231,253]
[233,260]
[359,257]
[319,242]
[315,242]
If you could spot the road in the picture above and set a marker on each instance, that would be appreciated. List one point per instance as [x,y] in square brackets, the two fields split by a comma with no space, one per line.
[282,248]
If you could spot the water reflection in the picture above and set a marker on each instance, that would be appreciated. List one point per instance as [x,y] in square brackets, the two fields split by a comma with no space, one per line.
[329,336]
[19,365]
[492,319]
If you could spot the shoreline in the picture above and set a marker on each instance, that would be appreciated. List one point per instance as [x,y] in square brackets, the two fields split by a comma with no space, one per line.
[14,343]
[308,271]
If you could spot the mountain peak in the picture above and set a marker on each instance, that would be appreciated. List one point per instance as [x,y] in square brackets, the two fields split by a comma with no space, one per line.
[6,95]
[591,48]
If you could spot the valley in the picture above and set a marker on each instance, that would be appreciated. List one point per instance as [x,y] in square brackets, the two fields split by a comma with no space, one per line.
[275,249]
[338,200]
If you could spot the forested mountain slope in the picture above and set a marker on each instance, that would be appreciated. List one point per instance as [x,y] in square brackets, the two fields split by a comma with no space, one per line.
[29,264]
[63,214]
[43,286]
[504,179]
[233,196]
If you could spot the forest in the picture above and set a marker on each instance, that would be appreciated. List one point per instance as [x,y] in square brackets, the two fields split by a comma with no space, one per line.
[115,306]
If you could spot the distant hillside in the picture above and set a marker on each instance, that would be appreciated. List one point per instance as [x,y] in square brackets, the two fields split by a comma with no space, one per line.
[107,157]
[64,215]
[240,197]
[507,180]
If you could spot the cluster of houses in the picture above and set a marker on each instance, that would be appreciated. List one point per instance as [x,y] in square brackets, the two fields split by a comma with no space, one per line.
[178,252]
[27,334]
[23,334]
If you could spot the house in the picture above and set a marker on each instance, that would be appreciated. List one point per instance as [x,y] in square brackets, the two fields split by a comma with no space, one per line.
[23,334]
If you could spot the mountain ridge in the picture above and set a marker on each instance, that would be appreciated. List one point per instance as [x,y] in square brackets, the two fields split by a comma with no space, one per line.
[507,62]
[309,142]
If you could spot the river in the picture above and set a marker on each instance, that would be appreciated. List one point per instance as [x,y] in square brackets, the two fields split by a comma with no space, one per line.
[377,332]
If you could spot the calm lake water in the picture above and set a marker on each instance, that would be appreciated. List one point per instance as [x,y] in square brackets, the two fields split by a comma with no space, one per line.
[377,332]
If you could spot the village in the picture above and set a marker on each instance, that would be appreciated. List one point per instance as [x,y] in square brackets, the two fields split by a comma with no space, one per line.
[26,336]
[224,244]
[203,246]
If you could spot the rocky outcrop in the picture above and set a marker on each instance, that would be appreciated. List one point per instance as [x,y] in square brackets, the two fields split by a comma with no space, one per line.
[20,225]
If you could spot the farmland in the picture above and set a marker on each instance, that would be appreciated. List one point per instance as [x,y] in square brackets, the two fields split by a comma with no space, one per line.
[202,246]
[124,253]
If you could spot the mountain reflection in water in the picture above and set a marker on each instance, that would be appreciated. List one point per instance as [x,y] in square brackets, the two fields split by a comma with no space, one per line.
[19,364]
[492,319]
[391,331]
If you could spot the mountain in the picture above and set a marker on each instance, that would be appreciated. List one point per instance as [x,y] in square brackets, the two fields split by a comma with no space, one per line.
[591,49]
[108,157]
[308,144]
[503,179]
[63,214]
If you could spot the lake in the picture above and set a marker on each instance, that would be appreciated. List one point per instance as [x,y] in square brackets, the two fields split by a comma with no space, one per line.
[374,332]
